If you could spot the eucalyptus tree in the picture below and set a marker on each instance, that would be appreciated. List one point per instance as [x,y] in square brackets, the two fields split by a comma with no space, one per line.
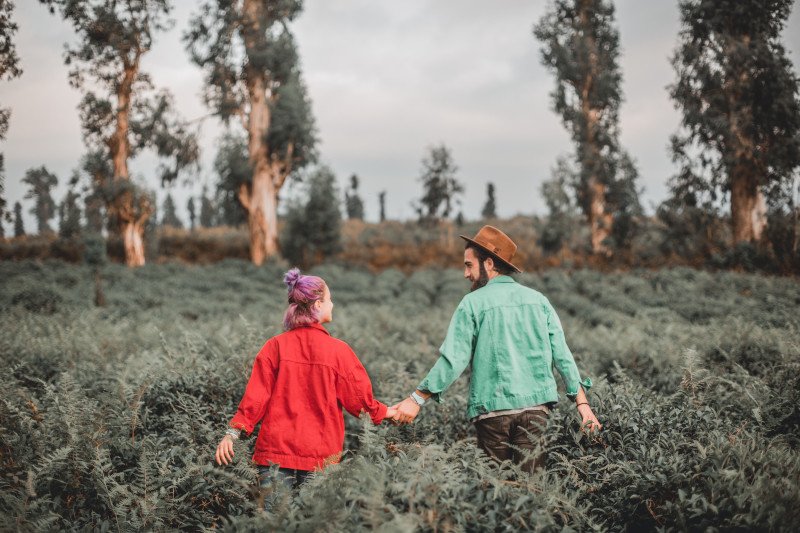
[9,69]
[121,112]
[490,207]
[580,44]
[192,212]
[69,211]
[561,211]
[313,227]
[97,170]
[440,186]
[41,182]
[169,216]
[382,205]
[19,224]
[208,212]
[232,168]
[252,74]
[353,204]
[738,95]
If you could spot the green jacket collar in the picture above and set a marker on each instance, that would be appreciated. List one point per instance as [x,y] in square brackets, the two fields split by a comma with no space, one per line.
[501,279]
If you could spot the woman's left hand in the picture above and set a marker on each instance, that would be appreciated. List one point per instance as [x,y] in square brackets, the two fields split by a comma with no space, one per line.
[224,453]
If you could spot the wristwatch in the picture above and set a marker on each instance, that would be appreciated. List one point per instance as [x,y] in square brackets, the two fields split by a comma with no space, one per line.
[417,398]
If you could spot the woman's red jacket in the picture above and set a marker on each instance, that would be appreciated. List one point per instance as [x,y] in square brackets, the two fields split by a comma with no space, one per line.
[301,379]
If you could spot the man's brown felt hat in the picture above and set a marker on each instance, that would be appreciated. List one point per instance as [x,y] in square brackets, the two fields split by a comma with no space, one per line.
[495,243]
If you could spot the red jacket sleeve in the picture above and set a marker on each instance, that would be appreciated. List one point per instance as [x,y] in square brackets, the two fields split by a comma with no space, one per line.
[354,391]
[259,388]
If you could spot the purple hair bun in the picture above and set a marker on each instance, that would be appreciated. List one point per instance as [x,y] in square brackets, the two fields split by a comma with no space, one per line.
[291,278]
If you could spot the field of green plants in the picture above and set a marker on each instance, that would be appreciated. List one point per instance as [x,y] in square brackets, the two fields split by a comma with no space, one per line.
[109,416]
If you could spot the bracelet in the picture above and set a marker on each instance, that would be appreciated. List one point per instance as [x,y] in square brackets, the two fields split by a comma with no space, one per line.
[232,433]
[583,403]
[418,399]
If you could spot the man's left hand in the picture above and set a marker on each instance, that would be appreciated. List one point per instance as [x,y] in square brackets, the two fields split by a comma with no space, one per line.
[407,411]
[590,421]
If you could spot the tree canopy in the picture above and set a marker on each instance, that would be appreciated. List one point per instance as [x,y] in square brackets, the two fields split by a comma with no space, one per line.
[252,73]
[580,45]
[740,113]
[440,186]
[41,182]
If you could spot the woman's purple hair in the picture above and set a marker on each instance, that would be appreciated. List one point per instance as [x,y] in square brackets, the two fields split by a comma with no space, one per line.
[303,292]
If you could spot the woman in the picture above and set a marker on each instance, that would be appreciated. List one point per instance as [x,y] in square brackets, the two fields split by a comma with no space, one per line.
[300,381]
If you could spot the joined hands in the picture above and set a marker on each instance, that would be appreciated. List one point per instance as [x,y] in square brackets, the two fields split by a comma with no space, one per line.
[404,412]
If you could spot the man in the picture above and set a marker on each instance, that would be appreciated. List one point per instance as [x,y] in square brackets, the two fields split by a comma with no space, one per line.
[512,337]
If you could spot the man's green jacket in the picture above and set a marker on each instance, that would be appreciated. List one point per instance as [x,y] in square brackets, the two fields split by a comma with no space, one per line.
[512,337]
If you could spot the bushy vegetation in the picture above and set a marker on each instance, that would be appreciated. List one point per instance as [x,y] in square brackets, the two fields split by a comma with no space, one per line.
[109,415]
[671,239]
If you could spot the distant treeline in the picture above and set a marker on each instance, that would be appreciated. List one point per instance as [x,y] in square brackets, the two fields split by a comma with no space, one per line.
[409,246]
[737,150]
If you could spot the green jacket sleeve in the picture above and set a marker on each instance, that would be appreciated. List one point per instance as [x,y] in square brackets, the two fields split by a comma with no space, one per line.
[454,354]
[562,356]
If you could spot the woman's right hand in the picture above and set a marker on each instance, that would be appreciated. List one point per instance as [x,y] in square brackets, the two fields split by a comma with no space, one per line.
[224,453]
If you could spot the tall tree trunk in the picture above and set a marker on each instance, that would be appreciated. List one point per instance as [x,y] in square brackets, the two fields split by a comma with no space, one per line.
[748,206]
[131,227]
[260,197]
[132,237]
[595,190]
[99,295]
[599,220]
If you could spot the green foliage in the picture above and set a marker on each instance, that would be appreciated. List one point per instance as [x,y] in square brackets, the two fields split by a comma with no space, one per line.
[561,210]
[489,208]
[109,416]
[38,299]
[19,224]
[192,213]
[382,205]
[5,214]
[353,204]
[207,210]
[9,69]
[312,229]
[253,50]
[97,171]
[580,44]
[40,182]
[233,168]
[738,95]
[94,250]
[112,38]
[69,213]
[169,217]
[440,187]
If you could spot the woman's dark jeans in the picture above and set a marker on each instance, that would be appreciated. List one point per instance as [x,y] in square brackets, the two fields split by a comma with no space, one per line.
[289,477]
[513,438]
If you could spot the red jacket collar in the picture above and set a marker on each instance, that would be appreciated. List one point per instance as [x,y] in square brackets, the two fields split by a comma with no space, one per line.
[318,326]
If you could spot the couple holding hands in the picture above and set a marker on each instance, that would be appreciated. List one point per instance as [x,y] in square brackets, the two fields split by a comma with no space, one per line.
[508,333]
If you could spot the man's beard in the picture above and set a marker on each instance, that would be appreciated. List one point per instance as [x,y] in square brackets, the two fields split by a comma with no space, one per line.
[483,279]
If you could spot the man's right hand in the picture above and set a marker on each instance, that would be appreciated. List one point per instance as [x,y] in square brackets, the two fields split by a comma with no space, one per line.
[224,453]
[407,411]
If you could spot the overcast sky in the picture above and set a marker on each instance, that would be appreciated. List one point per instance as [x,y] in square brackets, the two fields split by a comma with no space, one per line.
[387,80]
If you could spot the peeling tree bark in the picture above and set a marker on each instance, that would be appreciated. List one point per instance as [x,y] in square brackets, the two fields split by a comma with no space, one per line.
[131,224]
[260,196]
[748,206]
[595,191]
